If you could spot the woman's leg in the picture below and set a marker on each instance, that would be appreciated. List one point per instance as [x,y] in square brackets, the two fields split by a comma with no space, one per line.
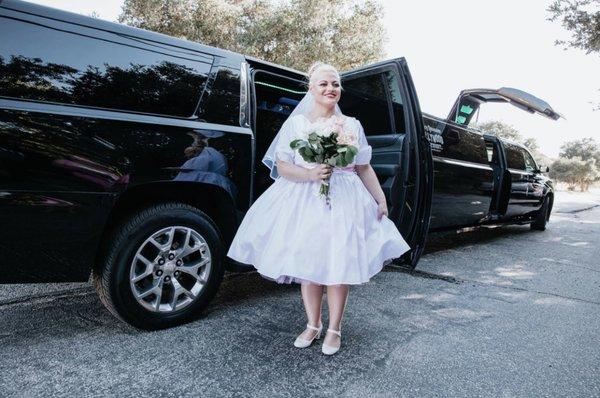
[337,296]
[312,297]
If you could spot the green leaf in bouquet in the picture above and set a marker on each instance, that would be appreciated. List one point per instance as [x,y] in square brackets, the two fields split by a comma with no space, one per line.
[303,154]
[348,157]
[352,149]
[298,143]
[306,152]
[342,149]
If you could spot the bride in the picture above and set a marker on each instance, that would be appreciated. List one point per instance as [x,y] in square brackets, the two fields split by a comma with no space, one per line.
[290,235]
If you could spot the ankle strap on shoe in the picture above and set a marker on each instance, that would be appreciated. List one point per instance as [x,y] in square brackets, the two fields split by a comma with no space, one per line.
[313,327]
[338,332]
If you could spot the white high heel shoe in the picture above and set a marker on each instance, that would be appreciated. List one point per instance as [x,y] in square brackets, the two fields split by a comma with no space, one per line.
[303,343]
[329,350]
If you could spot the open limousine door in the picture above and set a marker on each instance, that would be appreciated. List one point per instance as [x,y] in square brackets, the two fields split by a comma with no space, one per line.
[469,101]
[382,96]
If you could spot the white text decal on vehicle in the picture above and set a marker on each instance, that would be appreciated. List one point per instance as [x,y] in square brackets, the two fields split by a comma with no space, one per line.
[434,135]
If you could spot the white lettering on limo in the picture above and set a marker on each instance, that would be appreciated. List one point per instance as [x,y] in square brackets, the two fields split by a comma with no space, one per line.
[434,135]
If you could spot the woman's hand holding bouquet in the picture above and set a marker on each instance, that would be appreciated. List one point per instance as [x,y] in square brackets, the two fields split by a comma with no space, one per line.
[330,145]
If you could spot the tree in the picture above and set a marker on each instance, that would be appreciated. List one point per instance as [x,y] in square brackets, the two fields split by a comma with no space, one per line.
[575,172]
[295,33]
[578,163]
[585,148]
[532,144]
[501,129]
[540,158]
[504,130]
[582,19]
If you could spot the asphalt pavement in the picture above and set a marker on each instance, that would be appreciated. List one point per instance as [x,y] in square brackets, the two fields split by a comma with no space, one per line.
[497,312]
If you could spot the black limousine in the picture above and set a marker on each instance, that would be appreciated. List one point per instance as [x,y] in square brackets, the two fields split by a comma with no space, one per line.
[132,156]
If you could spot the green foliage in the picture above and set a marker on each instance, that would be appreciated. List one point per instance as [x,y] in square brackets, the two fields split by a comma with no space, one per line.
[531,144]
[295,33]
[578,164]
[585,148]
[500,129]
[324,149]
[582,19]
[575,172]
[503,130]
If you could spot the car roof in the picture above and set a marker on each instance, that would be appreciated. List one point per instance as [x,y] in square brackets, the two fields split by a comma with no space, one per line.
[264,63]
[121,29]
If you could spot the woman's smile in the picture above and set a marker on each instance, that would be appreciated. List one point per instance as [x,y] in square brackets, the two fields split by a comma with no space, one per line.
[327,87]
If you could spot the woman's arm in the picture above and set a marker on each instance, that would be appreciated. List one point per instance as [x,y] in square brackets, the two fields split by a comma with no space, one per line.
[292,171]
[369,179]
[300,174]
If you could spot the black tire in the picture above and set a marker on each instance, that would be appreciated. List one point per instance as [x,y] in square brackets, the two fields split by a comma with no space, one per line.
[543,214]
[111,276]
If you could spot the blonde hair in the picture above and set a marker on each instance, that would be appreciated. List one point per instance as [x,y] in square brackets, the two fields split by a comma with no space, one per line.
[321,66]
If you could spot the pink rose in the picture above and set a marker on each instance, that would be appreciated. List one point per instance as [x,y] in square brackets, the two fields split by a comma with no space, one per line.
[347,138]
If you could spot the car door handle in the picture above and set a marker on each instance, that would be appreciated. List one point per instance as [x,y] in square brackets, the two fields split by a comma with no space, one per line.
[388,170]
[452,136]
[383,140]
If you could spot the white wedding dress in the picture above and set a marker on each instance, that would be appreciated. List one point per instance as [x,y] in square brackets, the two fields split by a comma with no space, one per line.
[289,234]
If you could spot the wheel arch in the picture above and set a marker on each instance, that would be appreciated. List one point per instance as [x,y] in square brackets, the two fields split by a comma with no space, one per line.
[218,205]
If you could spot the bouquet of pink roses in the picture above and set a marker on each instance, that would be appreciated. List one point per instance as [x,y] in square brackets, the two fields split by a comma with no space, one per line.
[330,145]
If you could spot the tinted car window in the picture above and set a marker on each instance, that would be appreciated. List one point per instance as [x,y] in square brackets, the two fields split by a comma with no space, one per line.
[390,80]
[366,98]
[276,97]
[529,162]
[514,157]
[461,144]
[466,110]
[223,103]
[45,63]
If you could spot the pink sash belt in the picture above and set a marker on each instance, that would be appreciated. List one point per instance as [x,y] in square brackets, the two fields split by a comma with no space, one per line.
[347,169]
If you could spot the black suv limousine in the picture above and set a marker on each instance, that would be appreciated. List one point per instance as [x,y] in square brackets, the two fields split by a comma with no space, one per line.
[482,179]
[134,156]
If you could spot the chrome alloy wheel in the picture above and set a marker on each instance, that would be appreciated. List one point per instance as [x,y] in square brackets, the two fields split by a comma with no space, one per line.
[170,269]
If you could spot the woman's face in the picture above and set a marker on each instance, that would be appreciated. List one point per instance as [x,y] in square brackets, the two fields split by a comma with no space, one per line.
[326,88]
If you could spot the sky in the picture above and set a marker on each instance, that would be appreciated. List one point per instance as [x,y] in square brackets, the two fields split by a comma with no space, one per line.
[456,45]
